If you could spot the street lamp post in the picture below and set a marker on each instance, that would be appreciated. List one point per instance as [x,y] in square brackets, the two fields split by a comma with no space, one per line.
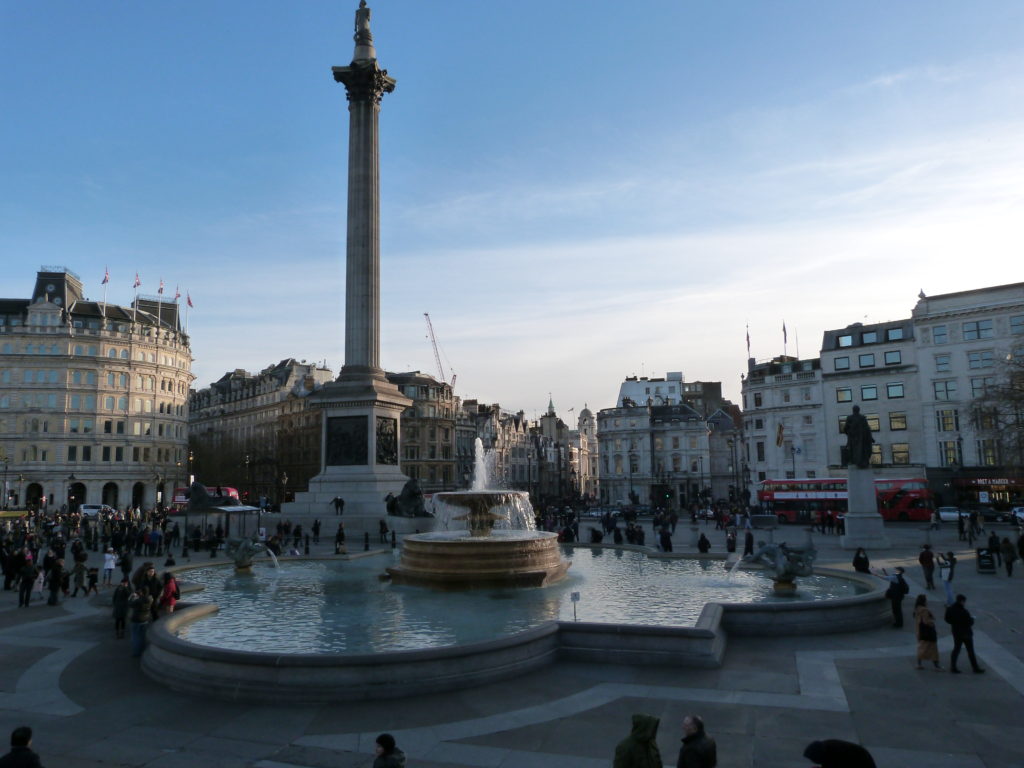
[7,494]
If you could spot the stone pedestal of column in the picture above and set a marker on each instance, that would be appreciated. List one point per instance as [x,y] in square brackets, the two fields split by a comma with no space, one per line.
[864,526]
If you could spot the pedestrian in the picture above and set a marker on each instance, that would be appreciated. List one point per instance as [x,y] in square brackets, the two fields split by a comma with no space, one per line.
[699,749]
[703,544]
[640,748]
[927,561]
[141,605]
[27,575]
[339,538]
[836,753]
[388,755]
[665,539]
[316,531]
[383,528]
[93,576]
[1009,554]
[170,593]
[122,593]
[898,589]
[962,623]
[748,542]
[21,754]
[947,569]
[927,633]
[861,564]
[79,571]
[109,563]
[54,580]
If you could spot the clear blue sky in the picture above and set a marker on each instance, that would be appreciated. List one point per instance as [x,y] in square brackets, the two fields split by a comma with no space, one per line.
[576,191]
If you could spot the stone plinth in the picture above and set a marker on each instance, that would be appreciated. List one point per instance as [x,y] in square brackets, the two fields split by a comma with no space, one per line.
[864,526]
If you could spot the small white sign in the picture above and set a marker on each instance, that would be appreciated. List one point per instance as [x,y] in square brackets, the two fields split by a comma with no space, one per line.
[574,596]
[983,497]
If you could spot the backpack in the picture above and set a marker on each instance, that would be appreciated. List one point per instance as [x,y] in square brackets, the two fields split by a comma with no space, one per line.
[902,585]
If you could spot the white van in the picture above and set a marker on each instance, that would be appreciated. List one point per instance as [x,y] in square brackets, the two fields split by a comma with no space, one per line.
[93,510]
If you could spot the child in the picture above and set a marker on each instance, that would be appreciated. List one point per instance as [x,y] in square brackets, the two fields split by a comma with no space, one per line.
[94,578]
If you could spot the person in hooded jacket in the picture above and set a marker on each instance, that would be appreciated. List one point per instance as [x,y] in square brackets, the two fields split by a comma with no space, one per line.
[388,755]
[640,748]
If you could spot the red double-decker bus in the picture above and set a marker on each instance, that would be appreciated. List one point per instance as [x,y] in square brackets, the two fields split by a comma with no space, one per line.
[804,500]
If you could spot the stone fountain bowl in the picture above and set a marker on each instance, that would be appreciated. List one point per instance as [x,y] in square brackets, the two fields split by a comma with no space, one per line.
[459,560]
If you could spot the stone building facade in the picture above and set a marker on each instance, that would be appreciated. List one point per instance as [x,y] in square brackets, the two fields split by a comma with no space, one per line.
[256,432]
[924,383]
[428,432]
[93,397]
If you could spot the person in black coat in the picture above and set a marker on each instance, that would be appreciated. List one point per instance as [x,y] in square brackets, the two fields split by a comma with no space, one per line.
[961,622]
[21,754]
[836,753]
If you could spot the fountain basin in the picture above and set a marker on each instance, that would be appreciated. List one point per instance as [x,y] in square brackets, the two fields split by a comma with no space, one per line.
[461,560]
[251,675]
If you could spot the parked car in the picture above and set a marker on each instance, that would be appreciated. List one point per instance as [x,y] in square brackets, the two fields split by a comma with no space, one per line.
[1017,515]
[988,514]
[949,514]
[93,510]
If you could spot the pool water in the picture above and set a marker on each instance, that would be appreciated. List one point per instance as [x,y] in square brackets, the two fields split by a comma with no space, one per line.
[344,607]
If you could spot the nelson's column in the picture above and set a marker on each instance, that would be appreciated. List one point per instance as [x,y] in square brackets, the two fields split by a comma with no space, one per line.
[361,409]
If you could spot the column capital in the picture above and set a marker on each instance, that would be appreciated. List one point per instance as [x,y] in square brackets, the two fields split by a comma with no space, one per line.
[364,81]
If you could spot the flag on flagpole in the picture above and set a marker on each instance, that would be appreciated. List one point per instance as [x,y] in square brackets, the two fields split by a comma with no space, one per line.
[160,290]
[785,336]
[137,282]
[748,340]
[188,300]
[106,276]
[177,293]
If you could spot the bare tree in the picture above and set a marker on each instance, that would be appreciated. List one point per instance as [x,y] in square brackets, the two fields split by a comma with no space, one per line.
[998,415]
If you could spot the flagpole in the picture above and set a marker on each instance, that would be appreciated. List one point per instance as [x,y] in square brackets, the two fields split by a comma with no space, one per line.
[160,305]
[785,339]
[104,310]
[797,345]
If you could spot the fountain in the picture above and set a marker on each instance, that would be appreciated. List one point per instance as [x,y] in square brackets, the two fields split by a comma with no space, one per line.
[515,555]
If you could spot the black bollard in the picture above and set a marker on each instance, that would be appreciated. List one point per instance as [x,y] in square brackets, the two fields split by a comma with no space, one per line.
[392,539]
[366,541]
[307,543]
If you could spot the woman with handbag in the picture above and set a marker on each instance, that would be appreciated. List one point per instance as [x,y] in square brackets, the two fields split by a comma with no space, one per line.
[927,635]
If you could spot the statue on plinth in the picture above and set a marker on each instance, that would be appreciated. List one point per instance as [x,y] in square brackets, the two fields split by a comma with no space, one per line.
[858,439]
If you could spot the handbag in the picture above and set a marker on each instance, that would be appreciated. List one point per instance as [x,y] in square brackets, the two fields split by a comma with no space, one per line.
[927,633]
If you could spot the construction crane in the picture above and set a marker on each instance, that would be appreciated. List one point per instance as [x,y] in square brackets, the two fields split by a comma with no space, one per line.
[437,355]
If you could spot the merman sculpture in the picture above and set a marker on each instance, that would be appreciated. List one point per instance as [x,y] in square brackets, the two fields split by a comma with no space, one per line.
[243,551]
[785,563]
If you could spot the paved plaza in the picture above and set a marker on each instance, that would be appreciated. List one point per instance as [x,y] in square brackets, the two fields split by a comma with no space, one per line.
[64,674]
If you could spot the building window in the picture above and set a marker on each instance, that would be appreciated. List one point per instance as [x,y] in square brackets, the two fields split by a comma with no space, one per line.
[876,454]
[841,363]
[977,329]
[981,359]
[869,337]
[901,453]
[942,363]
[866,361]
[86,453]
[949,453]
[897,421]
[869,392]
[894,334]
[808,419]
[947,420]
[760,451]
[634,464]
[842,424]
[757,400]
[940,334]
[945,390]
[844,394]
[846,340]
[1017,324]
[106,453]
[988,452]
[758,423]
[72,453]
[981,384]
[894,391]
[873,422]
[895,357]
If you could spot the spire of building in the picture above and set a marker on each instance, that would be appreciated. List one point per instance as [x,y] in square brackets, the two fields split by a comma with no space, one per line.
[363,37]
[551,405]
